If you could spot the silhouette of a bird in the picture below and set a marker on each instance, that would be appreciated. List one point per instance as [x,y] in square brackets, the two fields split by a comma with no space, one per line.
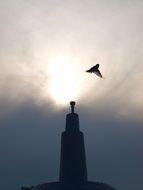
[95,70]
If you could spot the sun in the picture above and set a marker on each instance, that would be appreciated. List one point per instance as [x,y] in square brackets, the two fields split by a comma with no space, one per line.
[64,79]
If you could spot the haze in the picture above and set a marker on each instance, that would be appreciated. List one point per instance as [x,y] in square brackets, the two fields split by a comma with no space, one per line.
[45,48]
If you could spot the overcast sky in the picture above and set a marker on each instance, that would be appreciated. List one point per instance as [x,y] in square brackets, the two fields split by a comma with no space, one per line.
[45,48]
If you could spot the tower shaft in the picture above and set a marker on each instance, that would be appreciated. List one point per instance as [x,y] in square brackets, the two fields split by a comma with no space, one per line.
[73,163]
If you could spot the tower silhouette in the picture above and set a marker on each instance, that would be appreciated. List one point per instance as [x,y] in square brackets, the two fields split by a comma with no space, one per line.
[73,163]
[73,170]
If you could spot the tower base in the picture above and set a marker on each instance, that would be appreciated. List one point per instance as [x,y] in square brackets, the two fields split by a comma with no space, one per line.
[84,186]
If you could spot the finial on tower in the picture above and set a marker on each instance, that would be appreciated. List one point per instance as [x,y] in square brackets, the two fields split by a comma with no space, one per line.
[72,103]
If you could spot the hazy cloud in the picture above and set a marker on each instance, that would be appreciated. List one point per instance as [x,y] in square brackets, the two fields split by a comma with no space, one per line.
[109,33]
[92,31]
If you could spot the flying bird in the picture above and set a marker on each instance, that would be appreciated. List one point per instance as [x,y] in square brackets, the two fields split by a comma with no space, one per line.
[95,70]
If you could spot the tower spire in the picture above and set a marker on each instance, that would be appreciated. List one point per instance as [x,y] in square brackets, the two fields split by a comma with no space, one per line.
[72,103]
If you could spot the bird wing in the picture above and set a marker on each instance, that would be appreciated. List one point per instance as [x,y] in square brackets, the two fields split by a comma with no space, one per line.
[95,67]
[98,73]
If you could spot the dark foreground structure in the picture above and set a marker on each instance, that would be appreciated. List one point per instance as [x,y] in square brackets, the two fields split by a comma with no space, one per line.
[73,170]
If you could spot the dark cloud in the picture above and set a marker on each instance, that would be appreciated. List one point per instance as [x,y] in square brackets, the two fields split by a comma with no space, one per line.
[30,147]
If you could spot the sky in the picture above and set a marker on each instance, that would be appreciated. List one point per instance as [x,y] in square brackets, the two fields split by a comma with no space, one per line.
[46,47]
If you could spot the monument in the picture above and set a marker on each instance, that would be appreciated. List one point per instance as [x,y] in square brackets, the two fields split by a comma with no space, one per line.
[73,170]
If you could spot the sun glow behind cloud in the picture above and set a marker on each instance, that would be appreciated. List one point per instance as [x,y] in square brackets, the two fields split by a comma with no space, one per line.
[65,84]
[45,52]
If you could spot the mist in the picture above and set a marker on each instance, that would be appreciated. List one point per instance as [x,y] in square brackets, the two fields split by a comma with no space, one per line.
[91,32]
